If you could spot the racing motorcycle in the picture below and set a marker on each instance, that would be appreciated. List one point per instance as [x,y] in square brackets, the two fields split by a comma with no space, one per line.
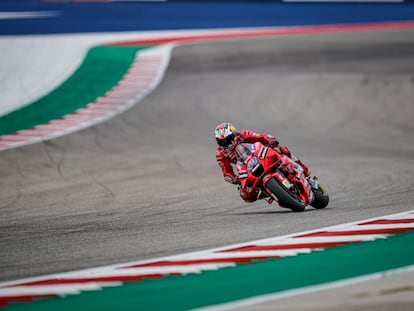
[268,174]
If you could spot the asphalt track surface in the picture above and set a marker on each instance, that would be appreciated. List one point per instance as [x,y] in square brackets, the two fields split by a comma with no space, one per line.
[146,184]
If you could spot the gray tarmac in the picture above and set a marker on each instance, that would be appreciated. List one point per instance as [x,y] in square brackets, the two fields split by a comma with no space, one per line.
[146,184]
[393,292]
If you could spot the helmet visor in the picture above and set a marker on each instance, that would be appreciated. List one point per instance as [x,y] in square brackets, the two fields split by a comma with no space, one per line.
[225,142]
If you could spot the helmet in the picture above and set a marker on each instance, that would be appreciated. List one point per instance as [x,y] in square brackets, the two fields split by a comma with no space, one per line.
[226,135]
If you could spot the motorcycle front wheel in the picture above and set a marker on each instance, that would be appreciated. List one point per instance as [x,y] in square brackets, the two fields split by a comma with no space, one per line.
[286,199]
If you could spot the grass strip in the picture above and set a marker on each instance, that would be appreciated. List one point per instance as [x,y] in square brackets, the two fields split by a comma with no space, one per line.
[100,71]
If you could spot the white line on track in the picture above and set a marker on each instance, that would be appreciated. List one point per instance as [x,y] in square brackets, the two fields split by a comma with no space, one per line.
[59,289]
[28,14]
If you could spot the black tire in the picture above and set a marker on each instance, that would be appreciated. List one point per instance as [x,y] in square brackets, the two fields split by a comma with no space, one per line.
[286,199]
[321,199]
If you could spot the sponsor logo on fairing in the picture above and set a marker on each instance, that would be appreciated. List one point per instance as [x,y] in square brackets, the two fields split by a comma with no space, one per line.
[263,152]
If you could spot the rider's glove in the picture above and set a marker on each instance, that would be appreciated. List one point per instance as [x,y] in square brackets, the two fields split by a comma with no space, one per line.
[272,141]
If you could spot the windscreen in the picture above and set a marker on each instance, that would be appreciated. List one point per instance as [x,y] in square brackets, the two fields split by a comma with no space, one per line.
[242,152]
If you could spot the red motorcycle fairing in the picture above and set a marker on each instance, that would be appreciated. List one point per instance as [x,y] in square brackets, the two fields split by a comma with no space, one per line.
[257,164]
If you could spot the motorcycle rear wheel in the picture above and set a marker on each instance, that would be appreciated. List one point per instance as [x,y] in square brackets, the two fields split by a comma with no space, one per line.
[286,199]
[321,198]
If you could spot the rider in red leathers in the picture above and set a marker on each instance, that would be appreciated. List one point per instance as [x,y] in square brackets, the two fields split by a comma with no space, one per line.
[228,138]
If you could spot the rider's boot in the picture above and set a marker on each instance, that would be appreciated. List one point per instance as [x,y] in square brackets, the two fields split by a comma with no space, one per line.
[313,181]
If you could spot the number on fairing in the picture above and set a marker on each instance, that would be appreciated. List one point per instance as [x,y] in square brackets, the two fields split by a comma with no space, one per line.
[252,163]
